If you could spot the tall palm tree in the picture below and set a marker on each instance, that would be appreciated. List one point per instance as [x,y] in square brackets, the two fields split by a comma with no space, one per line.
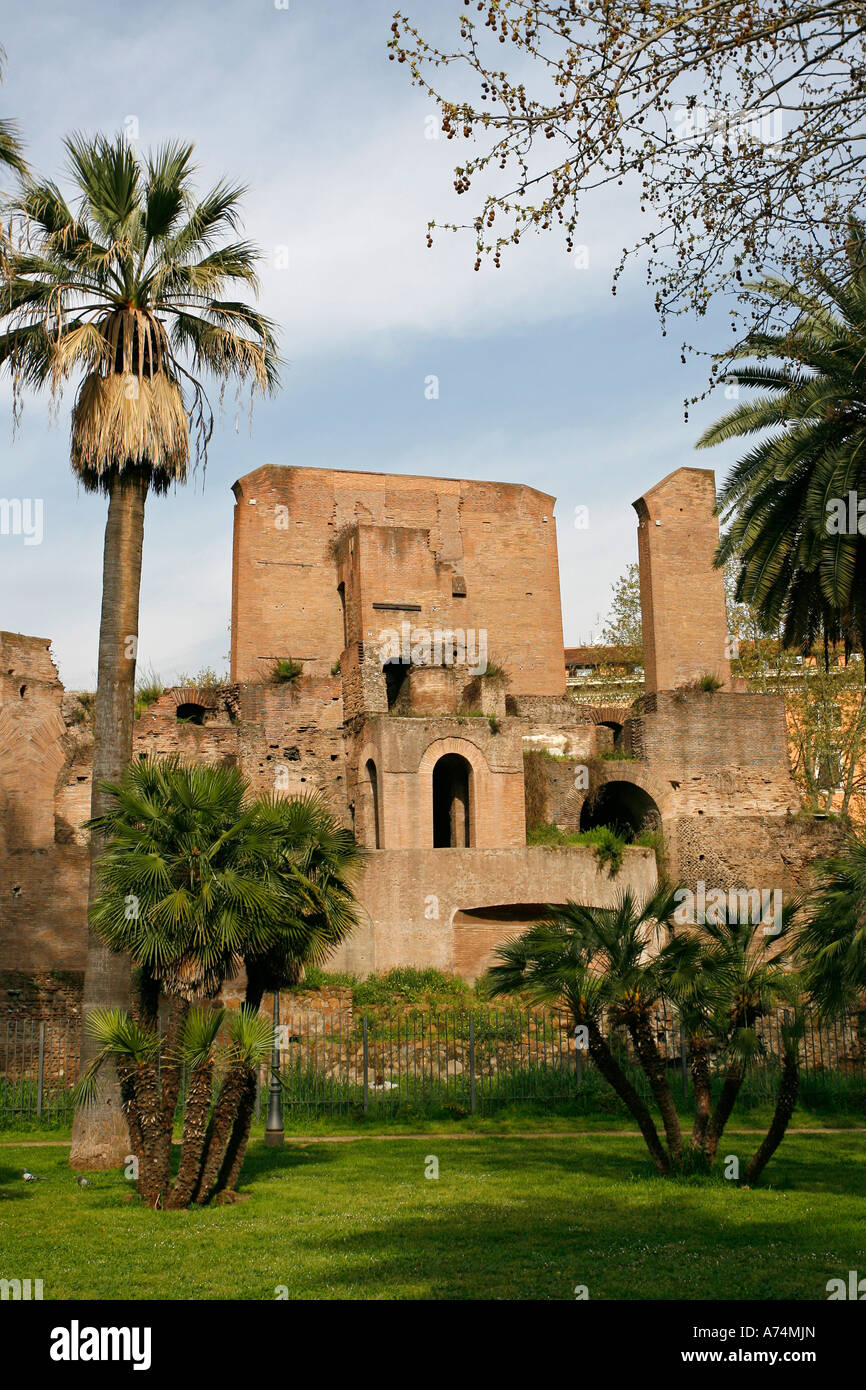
[127,291]
[197,878]
[11,151]
[797,566]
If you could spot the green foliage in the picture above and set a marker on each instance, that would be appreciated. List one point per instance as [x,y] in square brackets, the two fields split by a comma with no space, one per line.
[147,691]
[205,679]
[494,723]
[797,570]
[617,755]
[286,671]
[623,626]
[831,929]
[607,844]
[494,670]
[197,875]
[410,985]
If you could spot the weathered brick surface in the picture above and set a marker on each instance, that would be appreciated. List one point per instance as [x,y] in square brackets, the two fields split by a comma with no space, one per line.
[325,562]
[682,595]
[300,532]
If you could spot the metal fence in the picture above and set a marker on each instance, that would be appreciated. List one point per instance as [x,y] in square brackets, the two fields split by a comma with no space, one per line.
[38,1067]
[448,1063]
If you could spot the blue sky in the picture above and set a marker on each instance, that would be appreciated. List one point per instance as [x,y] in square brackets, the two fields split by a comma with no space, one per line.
[544,377]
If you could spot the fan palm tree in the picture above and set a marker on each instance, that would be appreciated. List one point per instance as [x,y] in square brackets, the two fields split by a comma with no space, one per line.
[198,878]
[599,963]
[831,930]
[722,975]
[798,567]
[127,291]
[11,151]
[615,966]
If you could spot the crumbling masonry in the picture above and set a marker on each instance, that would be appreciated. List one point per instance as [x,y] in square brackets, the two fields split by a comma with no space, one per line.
[429,710]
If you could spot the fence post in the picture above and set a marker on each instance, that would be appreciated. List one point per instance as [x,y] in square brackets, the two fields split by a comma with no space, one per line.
[40,1073]
[366,1071]
[472,1062]
[685,1056]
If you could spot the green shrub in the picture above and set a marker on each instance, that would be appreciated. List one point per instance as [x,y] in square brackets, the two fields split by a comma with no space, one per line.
[607,844]
[286,671]
[406,984]
[147,692]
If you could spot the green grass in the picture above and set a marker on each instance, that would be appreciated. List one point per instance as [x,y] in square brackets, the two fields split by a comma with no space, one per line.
[507,1219]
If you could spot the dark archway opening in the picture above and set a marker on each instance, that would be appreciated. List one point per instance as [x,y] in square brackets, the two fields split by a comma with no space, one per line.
[395,673]
[451,828]
[374,799]
[191,714]
[625,807]
[616,730]
[341,590]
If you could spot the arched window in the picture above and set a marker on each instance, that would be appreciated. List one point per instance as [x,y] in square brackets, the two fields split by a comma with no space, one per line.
[341,590]
[373,776]
[191,713]
[451,819]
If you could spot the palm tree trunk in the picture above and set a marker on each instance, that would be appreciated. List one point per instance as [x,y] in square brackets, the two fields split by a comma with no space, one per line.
[722,1113]
[220,1129]
[785,1102]
[700,1069]
[171,1078]
[99,1134]
[233,1161]
[616,1077]
[656,1074]
[195,1131]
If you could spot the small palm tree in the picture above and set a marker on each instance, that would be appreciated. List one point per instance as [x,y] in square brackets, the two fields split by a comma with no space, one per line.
[615,966]
[795,568]
[599,963]
[723,975]
[197,879]
[130,291]
[831,930]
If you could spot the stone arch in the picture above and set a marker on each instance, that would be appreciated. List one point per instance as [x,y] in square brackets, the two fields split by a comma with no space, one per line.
[479,791]
[626,807]
[367,815]
[452,779]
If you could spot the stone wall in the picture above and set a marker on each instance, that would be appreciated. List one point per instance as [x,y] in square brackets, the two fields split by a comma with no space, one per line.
[682,594]
[434,552]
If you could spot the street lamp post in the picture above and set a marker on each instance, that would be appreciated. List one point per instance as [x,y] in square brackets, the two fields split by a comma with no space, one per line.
[274,1135]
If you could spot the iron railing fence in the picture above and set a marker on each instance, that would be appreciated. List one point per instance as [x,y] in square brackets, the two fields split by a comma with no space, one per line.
[450,1062]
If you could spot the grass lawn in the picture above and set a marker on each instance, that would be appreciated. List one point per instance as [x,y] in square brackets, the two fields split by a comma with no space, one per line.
[508,1218]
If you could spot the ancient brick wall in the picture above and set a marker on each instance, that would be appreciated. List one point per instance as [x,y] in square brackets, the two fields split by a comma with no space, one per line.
[438,553]
[682,595]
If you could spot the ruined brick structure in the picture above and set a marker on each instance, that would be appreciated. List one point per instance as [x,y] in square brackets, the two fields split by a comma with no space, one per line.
[424,614]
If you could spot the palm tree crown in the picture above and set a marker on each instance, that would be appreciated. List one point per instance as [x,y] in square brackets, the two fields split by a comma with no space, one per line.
[127,288]
[198,877]
[795,568]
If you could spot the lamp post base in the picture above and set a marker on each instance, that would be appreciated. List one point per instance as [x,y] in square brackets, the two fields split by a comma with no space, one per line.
[274,1138]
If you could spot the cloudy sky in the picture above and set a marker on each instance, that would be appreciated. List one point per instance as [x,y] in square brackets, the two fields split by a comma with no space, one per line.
[544,377]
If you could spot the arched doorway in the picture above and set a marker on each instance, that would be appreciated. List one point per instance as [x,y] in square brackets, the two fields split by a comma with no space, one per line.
[373,804]
[451,818]
[624,806]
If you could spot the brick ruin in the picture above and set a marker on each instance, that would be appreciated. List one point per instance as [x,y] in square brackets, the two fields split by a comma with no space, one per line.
[390,593]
